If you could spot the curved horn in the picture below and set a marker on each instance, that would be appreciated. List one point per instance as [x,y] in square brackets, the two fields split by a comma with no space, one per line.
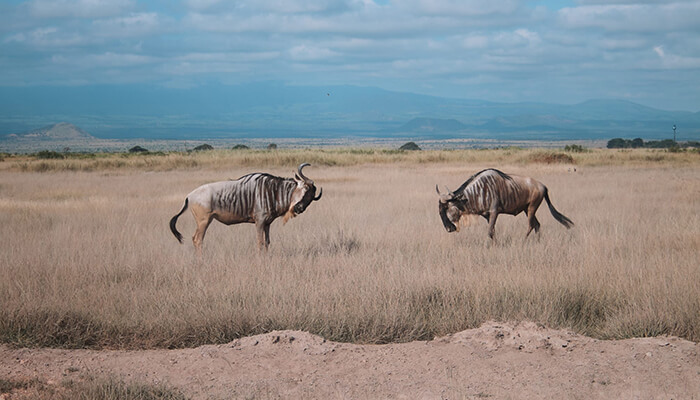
[444,196]
[301,174]
[320,192]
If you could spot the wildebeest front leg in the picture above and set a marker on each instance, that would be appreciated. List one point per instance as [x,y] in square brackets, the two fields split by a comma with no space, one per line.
[263,235]
[492,223]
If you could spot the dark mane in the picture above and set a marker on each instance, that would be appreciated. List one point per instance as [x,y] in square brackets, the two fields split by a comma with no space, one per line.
[473,177]
[263,174]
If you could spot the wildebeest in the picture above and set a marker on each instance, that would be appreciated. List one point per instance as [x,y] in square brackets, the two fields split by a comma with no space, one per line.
[257,198]
[491,192]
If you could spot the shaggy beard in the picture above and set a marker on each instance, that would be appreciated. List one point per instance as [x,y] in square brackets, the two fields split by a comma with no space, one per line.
[467,219]
[289,215]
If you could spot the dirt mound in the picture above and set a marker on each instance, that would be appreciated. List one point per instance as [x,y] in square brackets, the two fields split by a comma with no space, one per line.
[496,360]
[527,337]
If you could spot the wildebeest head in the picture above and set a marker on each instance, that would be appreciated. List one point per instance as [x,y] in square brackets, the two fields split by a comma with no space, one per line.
[451,207]
[304,193]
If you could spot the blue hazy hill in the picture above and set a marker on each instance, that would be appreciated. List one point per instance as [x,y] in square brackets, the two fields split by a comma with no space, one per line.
[273,109]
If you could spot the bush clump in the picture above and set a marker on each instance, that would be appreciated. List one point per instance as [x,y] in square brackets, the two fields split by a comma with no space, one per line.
[203,147]
[410,146]
[138,149]
[575,148]
[550,157]
[49,155]
[240,147]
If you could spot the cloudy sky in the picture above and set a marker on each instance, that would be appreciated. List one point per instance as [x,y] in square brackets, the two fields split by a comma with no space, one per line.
[646,51]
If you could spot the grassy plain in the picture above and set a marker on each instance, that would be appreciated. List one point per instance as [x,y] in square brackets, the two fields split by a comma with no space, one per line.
[88,260]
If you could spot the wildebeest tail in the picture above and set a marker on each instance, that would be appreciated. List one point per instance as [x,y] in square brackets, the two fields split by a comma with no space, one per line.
[173,221]
[556,214]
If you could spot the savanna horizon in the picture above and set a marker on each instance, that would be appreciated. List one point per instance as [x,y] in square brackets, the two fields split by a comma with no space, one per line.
[89,260]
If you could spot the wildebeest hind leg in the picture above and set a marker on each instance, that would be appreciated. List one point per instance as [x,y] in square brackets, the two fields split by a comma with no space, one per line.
[203,219]
[532,220]
[534,224]
[198,237]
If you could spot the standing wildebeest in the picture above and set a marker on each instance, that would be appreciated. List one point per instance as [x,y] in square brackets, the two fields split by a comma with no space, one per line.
[491,192]
[255,198]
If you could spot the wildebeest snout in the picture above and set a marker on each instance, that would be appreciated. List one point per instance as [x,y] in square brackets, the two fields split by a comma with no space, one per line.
[299,208]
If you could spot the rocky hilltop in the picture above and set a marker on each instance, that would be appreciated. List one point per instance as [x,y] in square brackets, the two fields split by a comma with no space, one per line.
[59,131]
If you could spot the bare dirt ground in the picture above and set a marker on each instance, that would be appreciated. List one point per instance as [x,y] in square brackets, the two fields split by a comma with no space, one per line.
[503,361]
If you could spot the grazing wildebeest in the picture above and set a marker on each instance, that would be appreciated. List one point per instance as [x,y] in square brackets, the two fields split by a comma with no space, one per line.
[257,198]
[491,192]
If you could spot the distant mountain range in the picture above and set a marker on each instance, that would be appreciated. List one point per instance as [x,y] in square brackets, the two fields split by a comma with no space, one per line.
[432,125]
[272,109]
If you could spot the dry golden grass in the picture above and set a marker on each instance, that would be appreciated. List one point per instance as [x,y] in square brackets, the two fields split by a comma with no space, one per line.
[230,159]
[88,259]
[88,388]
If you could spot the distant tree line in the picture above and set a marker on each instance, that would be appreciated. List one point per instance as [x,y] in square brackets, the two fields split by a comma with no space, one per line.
[619,143]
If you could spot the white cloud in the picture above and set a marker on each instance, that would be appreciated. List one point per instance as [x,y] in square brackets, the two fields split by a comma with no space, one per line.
[78,8]
[458,7]
[310,53]
[135,24]
[103,60]
[476,41]
[201,4]
[673,61]
[660,51]
[300,6]
[530,36]
[633,17]
[622,44]
[252,7]
[46,37]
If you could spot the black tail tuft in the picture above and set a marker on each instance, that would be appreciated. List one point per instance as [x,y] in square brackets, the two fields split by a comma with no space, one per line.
[556,214]
[173,221]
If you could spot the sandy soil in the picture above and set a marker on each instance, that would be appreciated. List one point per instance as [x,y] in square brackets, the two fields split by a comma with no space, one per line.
[503,361]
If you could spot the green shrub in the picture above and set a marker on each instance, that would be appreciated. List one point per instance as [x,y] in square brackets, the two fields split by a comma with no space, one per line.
[550,157]
[138,149]
[203,147]
[410,146]
[49,155]
[575,148]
